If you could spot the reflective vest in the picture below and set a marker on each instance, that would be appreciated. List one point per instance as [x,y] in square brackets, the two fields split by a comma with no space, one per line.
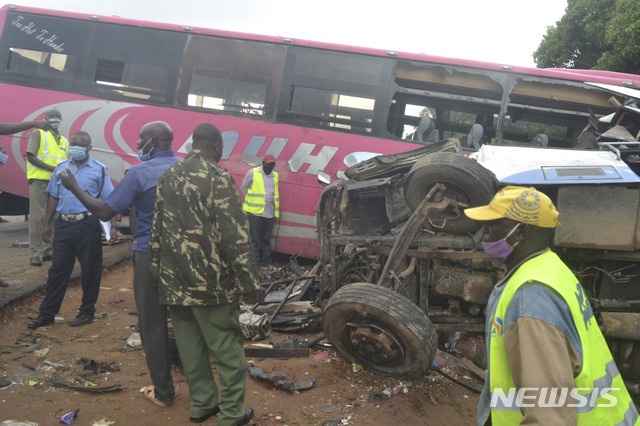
[254,201]
[49,153]
[599,372]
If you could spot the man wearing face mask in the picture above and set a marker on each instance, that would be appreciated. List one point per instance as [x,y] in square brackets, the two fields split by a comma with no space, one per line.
[542,336]
[261,194]
[139,187]
[78,234]
[45,150]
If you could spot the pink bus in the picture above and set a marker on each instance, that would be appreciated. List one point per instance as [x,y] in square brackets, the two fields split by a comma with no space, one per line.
[314,106]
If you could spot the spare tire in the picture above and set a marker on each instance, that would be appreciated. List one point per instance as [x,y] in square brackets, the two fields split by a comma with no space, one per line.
[466,181]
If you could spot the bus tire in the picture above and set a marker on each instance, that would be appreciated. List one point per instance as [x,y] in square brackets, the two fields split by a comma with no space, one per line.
[466,181]
[380,330]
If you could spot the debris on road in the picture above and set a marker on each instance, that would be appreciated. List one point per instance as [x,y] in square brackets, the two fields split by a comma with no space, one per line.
[254,326]
[58,381]
[134,341]
[280,380]
[70,416]
[99,366]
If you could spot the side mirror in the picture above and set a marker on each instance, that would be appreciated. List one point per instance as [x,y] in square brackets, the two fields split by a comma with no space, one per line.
[324,179]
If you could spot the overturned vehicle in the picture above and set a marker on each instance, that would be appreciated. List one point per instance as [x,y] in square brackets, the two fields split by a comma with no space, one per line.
[402,268]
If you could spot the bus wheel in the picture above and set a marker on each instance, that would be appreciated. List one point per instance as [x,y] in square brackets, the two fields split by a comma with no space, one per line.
[379,329]
[466,181]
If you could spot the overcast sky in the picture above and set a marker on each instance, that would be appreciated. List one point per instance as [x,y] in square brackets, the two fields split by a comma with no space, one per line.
[502,31]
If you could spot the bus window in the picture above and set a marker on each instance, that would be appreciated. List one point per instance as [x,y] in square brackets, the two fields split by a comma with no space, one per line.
[454,99]
[331,90]
[558,111]
[40,64]
[231,76]
[132,80]
[140,64]
[43,51]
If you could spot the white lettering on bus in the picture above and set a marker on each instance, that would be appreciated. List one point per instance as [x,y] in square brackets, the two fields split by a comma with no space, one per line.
[316,163]
[30,29]
[250,155]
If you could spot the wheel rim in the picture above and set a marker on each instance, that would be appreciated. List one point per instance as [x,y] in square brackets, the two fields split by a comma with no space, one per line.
[373,344]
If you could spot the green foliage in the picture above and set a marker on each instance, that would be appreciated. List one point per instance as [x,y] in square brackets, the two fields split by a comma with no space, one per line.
[623,37]
[578,39]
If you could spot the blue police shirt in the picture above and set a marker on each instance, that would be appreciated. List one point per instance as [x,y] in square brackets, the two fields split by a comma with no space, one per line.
[139,186]
[92,177]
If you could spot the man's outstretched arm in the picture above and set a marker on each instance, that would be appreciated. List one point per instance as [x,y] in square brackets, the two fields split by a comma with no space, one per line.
[96,206]
[11,128]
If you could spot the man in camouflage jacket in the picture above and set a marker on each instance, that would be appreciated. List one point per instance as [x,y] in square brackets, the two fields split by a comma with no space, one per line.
[201,253]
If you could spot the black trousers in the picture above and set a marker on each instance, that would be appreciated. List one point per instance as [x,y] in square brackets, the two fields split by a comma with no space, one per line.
[152,320]
[81,240]
[260,229]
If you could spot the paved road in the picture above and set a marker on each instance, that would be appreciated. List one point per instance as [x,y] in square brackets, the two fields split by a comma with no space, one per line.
[25,280]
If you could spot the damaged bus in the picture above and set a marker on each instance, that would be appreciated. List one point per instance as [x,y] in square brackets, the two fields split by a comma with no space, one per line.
[313,106]
[402,267]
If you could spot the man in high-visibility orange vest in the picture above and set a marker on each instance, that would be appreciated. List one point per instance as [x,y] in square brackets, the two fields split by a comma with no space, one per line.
[262,204]
[548,360]
[45,150]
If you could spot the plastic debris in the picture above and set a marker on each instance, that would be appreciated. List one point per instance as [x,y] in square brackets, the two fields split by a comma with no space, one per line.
[400,387]
[56,365]
[34,383]
[103,422]
[323,356]
[280,380]
[69,417]
[16,423]
[41,352]
[4,383]
[134,340]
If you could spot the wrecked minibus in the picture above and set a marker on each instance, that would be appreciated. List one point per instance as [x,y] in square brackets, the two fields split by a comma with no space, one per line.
[402,267]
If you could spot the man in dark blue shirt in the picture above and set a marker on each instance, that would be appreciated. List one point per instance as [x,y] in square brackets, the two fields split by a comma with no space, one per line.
[77,234]
[139,187]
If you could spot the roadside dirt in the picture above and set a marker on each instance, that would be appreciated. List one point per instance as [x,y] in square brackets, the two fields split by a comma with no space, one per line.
[341,392]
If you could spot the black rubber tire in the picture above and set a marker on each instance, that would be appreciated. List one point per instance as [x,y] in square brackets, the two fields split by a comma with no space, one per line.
[466,181]
[368,304]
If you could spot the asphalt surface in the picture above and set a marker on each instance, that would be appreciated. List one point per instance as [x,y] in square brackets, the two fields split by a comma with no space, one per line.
[25,280]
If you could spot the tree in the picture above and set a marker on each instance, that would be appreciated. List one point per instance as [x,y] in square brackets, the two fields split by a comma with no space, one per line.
[578,39]
[623,38]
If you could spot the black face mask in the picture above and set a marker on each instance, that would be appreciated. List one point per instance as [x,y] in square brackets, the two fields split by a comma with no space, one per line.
[268,167]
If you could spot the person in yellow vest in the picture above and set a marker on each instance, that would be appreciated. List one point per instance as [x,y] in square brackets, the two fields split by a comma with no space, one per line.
[548,361]
[9,129]
[45,150]
[262,202]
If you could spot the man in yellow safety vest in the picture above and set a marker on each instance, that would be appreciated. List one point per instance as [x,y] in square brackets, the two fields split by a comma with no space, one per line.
[548,361]
[45,150]
[262,203]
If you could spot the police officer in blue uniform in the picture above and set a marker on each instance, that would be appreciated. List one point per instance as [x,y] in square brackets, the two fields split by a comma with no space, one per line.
[78,234]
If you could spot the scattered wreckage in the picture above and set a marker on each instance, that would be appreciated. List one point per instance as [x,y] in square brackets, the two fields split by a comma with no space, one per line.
[402,267]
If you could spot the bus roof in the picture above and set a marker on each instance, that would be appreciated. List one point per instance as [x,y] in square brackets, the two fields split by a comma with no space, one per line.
[595,76]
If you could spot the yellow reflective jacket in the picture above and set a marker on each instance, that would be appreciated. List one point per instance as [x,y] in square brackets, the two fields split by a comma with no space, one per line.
[254,201]
[602,397]
[49,153]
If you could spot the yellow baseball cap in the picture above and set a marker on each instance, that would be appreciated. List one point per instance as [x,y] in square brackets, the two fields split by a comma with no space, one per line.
[526,205]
